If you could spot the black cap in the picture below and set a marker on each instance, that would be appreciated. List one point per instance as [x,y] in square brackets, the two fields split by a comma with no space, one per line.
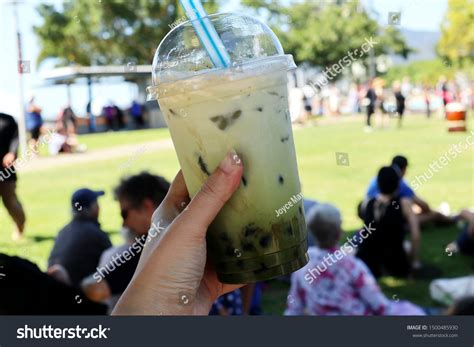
[84,198]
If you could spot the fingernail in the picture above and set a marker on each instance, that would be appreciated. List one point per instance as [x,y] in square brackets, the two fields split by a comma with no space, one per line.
[230,161]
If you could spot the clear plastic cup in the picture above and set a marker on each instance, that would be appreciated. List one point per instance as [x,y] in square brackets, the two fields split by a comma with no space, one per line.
[261,232]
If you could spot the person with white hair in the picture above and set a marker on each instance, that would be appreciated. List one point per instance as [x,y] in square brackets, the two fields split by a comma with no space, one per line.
[334,282]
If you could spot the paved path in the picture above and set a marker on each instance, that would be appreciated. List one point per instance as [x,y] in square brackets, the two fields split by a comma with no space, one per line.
[62,160]
[131,151]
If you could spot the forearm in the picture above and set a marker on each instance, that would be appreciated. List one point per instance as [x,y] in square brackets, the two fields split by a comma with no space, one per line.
[414,226]
[415,238]
[414,254]
[422,204]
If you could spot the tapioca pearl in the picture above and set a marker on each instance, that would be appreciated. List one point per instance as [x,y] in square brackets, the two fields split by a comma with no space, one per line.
[216,118]
[230,251]
[260,109]
[224,237]
[236,114]
[285,138]
[289,229]
[222,124]
[262,269]
[250,230]
[266,240]
[281,180]
[203,166]
[248,247]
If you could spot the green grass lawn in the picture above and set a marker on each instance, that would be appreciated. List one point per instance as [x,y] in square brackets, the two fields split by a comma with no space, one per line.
[46,194]
[111,139]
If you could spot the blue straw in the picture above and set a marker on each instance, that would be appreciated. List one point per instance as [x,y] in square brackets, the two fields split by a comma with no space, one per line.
[206,32]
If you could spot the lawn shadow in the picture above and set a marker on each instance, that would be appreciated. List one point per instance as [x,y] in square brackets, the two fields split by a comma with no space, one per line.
[41,238]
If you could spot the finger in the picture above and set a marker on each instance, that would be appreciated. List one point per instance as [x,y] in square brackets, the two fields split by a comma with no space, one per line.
[174,202]
[177,196]
[215,192]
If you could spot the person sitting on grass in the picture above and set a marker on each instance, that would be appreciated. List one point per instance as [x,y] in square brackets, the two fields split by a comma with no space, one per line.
[26,290]
[344,286]
[229,304]
[465,241]
[423,211]
[388,213]
[79,244]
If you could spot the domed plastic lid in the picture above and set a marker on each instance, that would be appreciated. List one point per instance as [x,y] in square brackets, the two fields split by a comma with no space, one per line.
[247,40]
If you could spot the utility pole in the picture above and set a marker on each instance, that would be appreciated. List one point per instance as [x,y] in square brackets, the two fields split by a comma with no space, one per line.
[20,67]
[372,71]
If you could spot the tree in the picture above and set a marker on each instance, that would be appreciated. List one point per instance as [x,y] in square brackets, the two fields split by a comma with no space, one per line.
[421,71]
[103,32]
[457,33]
[321,33]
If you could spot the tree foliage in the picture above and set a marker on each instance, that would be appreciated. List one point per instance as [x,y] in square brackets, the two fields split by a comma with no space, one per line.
[457,39]
[321,32]
[86,32]
[421,71]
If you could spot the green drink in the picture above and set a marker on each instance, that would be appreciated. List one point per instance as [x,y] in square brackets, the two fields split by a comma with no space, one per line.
[245,108]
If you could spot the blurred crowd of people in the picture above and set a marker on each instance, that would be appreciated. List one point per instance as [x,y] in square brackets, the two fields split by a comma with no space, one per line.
[64,130]
[376,97]
[84,264]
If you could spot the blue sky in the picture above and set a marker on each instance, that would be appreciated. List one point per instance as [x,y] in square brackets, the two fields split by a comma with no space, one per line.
[423,15]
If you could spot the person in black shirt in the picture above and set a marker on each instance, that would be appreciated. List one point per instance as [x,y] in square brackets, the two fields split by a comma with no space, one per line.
[372,98]
[387,214]
[25,290]
[9,143]
[400,100]
[80,244]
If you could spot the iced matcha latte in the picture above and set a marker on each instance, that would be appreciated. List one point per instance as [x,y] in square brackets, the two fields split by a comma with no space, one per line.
[243,108]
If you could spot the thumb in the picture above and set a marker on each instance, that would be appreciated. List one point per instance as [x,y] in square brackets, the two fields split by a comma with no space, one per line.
[215,192]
